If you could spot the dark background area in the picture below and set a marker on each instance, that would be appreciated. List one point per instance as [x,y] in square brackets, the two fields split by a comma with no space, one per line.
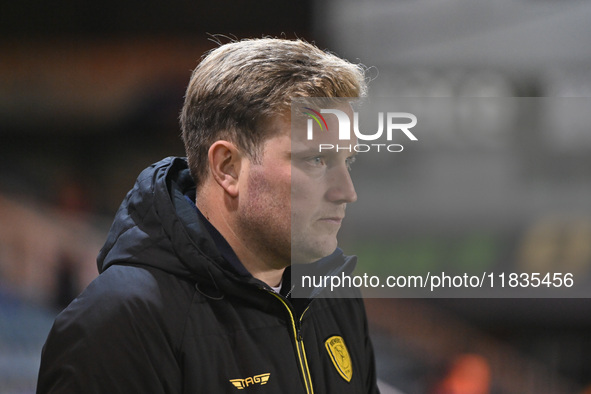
[59,55]
[90,94]
[69,19]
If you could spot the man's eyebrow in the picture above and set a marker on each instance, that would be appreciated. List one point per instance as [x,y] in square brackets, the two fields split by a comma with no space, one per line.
[304,152]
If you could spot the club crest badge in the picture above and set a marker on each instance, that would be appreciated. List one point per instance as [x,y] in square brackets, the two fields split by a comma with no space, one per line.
[337,350]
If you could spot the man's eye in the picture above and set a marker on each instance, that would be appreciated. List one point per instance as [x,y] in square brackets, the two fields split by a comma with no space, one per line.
[317,161]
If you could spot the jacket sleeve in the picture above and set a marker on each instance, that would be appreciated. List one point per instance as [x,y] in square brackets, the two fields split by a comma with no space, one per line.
[111,339]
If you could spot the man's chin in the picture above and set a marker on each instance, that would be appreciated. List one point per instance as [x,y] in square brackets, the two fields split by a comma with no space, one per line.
[310,255]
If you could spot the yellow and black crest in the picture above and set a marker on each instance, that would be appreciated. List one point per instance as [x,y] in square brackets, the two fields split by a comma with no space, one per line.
[337,350]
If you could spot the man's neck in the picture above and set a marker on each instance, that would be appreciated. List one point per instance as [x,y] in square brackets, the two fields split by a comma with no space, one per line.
[254,261]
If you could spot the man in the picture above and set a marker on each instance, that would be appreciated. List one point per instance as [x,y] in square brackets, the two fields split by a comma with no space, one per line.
[194,289]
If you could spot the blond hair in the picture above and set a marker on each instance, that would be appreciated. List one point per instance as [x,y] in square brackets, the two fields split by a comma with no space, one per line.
[238,87]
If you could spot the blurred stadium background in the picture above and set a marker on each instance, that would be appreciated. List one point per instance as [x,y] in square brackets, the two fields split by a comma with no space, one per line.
[90,93]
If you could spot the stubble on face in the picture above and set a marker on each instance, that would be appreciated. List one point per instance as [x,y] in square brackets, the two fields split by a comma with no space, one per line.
[288,211]
[264,214]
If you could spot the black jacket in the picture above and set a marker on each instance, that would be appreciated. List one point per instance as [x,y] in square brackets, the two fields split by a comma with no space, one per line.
[169,314]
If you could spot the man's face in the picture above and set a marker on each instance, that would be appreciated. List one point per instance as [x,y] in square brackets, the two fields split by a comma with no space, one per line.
[264,201]
[321,187]
[296,197]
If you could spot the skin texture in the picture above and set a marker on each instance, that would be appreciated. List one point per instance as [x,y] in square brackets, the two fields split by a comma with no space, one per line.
[321,189]
[287,208]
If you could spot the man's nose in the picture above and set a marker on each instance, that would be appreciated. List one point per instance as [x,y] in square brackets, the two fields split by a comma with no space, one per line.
[340,187]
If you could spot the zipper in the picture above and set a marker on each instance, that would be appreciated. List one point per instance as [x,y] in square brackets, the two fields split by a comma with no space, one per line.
[301,350]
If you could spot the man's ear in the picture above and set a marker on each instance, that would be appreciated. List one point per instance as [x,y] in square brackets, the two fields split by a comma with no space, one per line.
[224,165]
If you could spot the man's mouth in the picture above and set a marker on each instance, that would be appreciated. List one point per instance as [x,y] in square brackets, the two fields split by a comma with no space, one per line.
[332,219]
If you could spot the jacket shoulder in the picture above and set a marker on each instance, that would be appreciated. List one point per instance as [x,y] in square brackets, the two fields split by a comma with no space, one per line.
[132,292]
[122,334]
